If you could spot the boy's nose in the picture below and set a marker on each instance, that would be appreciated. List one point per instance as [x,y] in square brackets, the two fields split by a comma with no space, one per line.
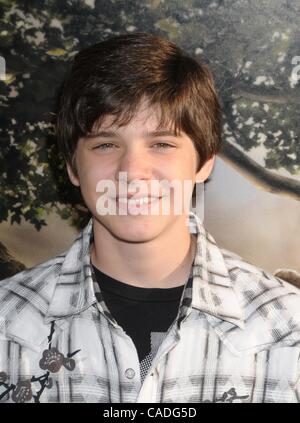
[136,165]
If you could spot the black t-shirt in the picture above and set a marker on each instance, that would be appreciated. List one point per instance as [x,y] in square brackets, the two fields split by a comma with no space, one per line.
[145,314]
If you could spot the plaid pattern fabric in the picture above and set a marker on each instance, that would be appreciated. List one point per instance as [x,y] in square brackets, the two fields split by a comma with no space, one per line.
[236,337]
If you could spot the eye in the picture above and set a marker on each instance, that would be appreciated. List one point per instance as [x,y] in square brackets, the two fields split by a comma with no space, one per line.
[105,146]
[164,145]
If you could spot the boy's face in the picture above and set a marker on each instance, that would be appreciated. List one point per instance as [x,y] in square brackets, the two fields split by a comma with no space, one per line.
[141,158]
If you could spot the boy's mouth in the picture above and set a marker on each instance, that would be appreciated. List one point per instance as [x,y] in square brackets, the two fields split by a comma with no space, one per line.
[138,201]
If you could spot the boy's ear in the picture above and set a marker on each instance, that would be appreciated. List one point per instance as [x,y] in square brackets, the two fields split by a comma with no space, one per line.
[205,170]
[73,178]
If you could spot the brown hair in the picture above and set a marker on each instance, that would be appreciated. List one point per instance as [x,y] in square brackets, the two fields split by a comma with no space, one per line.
[111,77]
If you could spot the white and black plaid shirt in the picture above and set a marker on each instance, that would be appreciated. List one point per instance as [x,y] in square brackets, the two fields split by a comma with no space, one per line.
[236,337]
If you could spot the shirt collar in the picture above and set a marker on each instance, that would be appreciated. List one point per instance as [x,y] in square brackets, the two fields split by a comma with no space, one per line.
[211,292]
[74,291]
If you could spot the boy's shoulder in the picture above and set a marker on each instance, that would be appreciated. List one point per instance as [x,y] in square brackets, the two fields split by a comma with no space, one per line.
[246,275]
[271,307]
[33,286]
[45,274]
[36,273]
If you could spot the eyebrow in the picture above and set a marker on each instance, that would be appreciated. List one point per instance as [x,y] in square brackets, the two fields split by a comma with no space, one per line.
[110,134]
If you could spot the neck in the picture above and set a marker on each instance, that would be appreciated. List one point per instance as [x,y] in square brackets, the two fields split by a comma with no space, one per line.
[152,264]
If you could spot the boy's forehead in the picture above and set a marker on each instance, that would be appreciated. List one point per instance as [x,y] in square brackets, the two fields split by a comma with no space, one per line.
[145,119]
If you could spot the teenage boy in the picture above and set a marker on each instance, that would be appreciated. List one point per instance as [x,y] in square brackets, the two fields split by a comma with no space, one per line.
[140,309]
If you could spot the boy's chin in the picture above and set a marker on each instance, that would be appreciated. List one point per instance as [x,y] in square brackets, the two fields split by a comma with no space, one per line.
[135,235]
[134,229]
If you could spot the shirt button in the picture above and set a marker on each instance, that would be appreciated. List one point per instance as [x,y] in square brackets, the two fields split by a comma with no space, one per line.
[129,373]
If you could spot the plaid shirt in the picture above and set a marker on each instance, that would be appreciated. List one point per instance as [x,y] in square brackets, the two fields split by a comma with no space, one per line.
[236,337]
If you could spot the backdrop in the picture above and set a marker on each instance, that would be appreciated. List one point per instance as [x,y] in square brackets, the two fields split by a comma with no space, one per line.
[252,47]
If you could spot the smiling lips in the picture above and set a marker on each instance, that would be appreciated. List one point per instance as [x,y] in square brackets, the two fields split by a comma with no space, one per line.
[136,201]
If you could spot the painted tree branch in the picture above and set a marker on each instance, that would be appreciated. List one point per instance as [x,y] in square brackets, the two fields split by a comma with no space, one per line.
[258,175]
[267,95]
